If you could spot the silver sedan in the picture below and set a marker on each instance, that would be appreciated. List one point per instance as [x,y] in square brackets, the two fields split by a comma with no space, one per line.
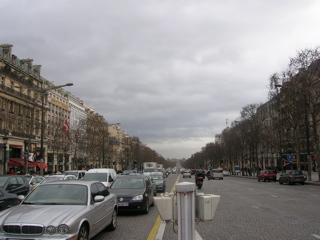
[71,209]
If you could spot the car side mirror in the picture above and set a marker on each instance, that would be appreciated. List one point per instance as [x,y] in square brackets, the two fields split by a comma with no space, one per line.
[98,198]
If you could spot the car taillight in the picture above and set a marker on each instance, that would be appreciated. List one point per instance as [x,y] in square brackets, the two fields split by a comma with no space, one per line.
[290,176]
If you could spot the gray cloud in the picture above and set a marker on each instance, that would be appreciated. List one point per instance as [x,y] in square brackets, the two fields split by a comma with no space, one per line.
[170,71]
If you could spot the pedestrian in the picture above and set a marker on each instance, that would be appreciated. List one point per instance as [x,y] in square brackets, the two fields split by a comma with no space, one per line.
[11,171]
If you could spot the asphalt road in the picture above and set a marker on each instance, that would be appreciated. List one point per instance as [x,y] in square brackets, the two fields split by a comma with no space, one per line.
[248,209]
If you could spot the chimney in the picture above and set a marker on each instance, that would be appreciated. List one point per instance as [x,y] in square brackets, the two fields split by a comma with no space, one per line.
[7,50]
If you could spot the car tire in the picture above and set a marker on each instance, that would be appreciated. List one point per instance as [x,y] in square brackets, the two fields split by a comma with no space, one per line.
[146,210]
[302,183]
[113,225]
[264,179]
[280,182]
[83,233]
[258,180]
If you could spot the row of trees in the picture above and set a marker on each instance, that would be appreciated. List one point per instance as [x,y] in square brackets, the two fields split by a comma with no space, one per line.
[267,135]
[93,144]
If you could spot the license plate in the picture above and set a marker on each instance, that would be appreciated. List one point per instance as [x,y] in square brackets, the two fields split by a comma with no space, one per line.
[298,179]
[124,204]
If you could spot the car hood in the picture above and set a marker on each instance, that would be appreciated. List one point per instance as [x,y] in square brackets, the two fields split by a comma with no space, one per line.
[40,214]
[127,192]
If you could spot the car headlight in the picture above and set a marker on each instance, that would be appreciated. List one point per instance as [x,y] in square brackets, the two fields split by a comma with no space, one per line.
[136,198]
[51,230]
[63,229]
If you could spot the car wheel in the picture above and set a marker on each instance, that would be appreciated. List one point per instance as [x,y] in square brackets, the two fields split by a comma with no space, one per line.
[302,183]
[280,182]
[258,180]
[113,225]
[146,210]
[83,233]
[264,179]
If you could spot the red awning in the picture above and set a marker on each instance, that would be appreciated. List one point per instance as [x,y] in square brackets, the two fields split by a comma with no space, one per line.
[43,165]
[20,162]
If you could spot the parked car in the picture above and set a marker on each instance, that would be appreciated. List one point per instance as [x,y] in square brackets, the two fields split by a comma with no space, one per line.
[267,175]
[8,200]
[186,174]
[134,193]
[217,173]
[104,175]
[17,184]
[34,181]
[79,174]
[292,177]
[159,180]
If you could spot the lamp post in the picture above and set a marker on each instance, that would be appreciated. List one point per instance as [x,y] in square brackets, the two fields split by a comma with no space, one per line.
[43,92]
[5,141]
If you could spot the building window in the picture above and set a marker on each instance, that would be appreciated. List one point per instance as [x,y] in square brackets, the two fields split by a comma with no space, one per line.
[11,107]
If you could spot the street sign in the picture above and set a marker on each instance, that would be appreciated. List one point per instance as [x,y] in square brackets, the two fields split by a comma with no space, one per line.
[290,158]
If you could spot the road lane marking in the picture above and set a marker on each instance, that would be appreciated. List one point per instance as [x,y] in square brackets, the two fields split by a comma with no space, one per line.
[316,236]
[255,207]
[273,196]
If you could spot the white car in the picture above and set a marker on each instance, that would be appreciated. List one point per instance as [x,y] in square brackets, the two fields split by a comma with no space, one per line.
[186,174]
[217,173]
[226,173]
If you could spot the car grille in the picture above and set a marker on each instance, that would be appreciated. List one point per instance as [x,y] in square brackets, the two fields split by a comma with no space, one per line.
[23,229]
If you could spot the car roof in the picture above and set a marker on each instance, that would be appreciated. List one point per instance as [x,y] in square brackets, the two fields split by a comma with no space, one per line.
[131,176]
[73,181]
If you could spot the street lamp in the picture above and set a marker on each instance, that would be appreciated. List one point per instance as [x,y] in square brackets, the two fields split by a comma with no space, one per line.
[43,92]
[5,141]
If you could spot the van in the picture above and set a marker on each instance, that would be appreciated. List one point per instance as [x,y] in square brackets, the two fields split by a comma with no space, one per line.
[103,175]
[217,173]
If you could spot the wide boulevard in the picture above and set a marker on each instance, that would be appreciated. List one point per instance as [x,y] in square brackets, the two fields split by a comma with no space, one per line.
[248,209]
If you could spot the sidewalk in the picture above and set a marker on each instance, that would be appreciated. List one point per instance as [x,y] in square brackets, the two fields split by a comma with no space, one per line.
[314,177]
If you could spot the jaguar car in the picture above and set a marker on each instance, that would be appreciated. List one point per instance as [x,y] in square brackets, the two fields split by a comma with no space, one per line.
[71,209]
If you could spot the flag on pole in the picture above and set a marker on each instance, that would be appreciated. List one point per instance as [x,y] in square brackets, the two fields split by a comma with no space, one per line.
[65,129]
[227,121]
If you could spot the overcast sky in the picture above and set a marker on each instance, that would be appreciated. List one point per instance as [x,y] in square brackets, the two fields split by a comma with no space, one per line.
[171,72]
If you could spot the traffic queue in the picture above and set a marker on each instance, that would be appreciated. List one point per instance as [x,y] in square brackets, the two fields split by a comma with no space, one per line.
[73,205]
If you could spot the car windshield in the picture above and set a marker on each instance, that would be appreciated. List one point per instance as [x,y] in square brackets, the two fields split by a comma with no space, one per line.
[149,170]
[270,172]
[157,177]
[132,183]
[217,170]
[101,177]
[3,180]
[58,194]
[297,172]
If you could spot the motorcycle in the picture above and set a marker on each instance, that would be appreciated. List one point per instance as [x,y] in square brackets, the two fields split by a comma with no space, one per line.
[199,182]
[208,176]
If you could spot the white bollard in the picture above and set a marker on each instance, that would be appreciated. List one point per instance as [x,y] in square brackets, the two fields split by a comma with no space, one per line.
[186,210]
